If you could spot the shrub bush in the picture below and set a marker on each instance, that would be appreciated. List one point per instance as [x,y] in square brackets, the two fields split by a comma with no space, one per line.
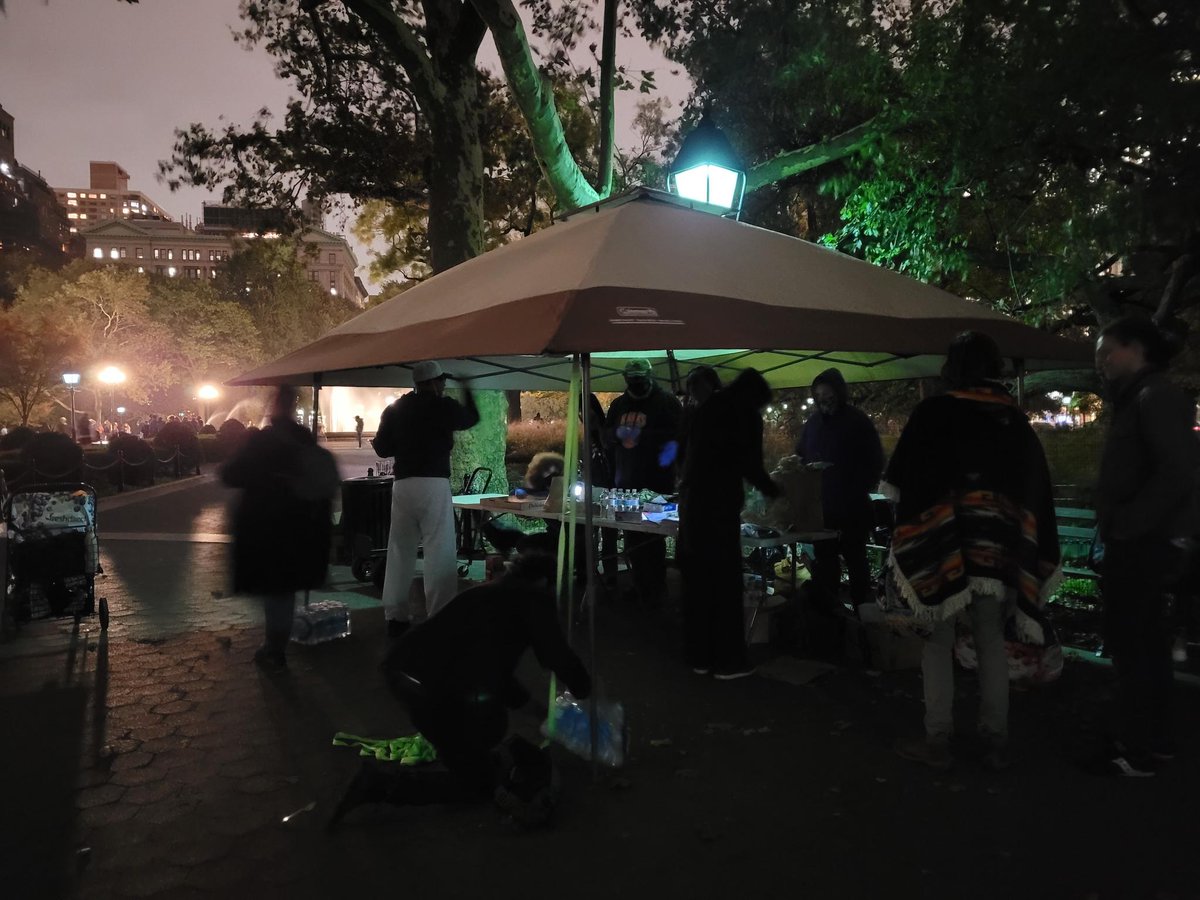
[139,460]
[17,438]
[526,438]
[208,429]
[178,436]
[55,457]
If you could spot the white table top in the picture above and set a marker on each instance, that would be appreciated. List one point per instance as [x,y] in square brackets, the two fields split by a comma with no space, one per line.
[666,529]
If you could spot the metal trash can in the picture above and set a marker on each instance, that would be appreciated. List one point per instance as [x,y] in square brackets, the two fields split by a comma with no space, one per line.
[366,522]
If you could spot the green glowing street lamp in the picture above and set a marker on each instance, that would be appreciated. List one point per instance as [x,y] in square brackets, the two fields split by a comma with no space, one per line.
[707,170]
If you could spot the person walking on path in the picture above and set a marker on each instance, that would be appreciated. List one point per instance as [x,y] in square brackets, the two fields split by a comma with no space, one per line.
[358,428]
[283,523]
[418,431]
[643,429]
[725,446]
[843,442]
[975,534]
[454,674]
[1146,516]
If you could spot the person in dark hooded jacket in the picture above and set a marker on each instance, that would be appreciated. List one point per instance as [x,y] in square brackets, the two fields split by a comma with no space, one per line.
[842,440]
[725,447]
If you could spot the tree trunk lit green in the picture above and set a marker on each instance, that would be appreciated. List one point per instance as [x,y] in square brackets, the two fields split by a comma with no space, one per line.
[484,444]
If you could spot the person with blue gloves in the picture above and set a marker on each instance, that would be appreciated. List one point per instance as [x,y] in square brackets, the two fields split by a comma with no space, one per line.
[642,429]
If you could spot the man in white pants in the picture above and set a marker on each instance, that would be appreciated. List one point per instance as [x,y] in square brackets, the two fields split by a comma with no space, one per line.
[418,431]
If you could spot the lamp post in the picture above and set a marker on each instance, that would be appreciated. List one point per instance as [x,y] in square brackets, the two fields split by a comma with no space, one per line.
[112,376]
[71,380]
[206,393]
[708,171]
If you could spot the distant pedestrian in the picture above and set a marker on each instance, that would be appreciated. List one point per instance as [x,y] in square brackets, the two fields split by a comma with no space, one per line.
[282,526]
[841,441]
[1146,514]
[358,428]
[418,431]
[975,537]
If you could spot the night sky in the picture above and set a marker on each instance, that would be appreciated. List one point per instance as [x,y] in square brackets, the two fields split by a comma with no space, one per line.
[98,79]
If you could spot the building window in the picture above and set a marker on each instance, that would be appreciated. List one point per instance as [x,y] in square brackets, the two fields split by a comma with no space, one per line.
[98,253]
[333,259]
[71,194]
[83,215]
[72,203]
[72,215]
[158,270]
[104,196]
[138,253]
[170,254]
[123,253]
[312,276]
[157,253]
[141,270]
[171,271]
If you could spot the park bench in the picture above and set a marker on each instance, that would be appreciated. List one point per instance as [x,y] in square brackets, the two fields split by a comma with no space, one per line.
[1076,533]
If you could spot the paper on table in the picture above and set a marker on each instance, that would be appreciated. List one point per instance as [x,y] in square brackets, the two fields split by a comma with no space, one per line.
[658,518]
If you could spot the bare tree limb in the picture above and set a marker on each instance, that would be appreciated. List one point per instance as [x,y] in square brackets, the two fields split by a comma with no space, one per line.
[1182,269]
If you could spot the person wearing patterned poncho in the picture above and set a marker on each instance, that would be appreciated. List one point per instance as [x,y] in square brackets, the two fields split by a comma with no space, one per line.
[975,535]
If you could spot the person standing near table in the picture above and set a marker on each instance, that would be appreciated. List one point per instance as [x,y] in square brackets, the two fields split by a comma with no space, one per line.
[358,428]
[841,440]
[725,446]
[418,431]
[1146,516]
[643,428]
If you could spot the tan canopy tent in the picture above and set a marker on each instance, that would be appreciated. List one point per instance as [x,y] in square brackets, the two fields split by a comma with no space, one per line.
[643,274]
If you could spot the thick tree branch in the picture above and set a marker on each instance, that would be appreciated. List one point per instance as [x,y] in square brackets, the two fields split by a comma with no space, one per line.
[535,99]
[402,41]
[608,69]
[1182,270]
[813,156]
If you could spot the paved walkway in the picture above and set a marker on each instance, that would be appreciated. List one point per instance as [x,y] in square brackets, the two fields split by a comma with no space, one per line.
[157,761]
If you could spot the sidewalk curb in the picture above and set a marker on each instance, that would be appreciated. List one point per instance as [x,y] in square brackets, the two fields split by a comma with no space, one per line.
[122,500]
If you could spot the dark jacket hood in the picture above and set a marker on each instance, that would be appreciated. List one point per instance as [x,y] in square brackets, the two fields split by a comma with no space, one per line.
[834,379]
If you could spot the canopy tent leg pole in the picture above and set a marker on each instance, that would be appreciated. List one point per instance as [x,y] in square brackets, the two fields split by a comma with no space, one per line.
[316,409]
[1019,365]
[589,544]
[676,381]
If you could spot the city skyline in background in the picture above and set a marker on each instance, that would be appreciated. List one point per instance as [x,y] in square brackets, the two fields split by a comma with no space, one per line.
[113,81]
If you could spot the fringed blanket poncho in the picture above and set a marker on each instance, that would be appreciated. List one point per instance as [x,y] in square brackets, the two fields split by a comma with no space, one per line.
[976,511]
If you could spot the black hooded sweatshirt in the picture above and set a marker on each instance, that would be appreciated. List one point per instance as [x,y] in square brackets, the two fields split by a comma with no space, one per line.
[725,445]
[847,439]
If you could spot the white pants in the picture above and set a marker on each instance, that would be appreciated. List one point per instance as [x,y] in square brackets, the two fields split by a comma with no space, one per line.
[987,615]
[422,516]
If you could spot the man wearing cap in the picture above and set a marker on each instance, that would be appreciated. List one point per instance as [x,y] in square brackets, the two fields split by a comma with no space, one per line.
[642,427]
[418,431]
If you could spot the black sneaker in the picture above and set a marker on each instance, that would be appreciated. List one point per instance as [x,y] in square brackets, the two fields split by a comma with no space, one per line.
[734,674]
[1121,765]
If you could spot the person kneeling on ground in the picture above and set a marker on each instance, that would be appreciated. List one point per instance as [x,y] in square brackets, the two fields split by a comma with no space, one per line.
[455,676]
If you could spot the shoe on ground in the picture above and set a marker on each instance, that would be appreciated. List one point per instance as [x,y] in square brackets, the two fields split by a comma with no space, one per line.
[932,752]
[1116,761]
[396,628]
[701,670]
[270,660]
[734,674]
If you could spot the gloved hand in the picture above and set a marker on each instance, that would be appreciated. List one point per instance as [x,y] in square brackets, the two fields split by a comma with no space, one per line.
[667,454]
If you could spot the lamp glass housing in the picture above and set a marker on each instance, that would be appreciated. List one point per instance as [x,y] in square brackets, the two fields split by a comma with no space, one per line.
[71,378]
[708,183]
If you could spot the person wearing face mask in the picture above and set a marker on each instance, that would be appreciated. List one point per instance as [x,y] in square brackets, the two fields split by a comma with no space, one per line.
[642,428]
[841,441]
[1146,517]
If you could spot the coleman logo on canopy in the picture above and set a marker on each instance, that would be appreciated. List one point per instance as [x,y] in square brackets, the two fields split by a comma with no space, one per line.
[641,315]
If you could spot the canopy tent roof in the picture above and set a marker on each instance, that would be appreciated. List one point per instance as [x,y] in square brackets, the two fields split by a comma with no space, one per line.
[642,274]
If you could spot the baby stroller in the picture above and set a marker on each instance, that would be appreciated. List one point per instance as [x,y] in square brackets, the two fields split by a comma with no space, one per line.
[54,553]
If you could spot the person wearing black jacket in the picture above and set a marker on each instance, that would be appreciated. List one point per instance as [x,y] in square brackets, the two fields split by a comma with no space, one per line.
[642,429]
[1145,512]
[842,440]
[725,446]
[418,430]
[282,525]
[455,676]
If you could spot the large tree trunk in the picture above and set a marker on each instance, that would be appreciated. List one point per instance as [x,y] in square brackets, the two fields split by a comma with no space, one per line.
[456,169]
